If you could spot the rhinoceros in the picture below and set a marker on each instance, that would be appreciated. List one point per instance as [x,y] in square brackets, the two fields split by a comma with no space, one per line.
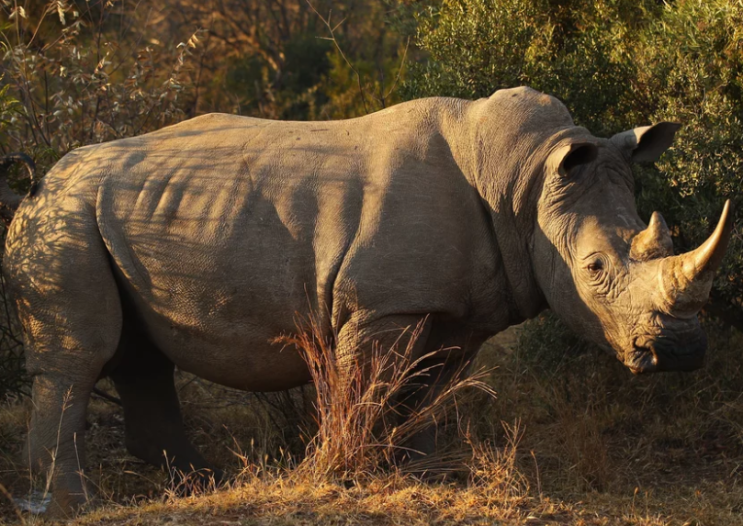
[196,246]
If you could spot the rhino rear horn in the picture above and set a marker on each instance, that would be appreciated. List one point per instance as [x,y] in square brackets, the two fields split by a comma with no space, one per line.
[647,143]
[687,279]
[653,242]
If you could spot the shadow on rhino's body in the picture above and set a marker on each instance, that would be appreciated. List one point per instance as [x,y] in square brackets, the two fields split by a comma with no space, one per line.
[198,245]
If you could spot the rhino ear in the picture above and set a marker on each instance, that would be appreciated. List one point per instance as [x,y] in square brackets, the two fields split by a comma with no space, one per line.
[569,156]
[646,144]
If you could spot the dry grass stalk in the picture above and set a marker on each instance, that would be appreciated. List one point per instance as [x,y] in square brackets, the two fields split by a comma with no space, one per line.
[495,470]
[358,409]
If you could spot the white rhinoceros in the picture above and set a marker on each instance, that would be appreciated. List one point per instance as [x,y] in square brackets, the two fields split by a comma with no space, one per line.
[198,244]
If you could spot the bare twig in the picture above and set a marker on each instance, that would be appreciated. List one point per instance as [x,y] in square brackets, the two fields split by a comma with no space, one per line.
[331,30]
[399,70]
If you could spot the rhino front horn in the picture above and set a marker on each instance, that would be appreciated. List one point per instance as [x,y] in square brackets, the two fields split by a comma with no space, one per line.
[687,278]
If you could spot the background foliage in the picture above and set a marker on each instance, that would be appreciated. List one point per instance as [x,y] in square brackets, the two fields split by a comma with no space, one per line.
[616,64]
[76,72]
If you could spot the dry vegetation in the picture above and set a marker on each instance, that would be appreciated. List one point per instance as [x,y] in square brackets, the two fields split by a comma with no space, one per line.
[585,443]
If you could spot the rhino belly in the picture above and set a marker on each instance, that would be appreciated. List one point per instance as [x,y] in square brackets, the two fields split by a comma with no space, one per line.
[218,310]
[249,358]
[235,340]
[221,255]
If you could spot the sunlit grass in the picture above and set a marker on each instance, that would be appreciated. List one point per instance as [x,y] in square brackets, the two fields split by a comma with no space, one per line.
[574,441]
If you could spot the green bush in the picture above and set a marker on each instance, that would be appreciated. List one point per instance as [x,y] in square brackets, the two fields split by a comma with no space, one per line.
[67,81]
[616,64]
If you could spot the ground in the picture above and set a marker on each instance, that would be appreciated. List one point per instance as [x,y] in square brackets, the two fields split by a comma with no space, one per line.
[593,449]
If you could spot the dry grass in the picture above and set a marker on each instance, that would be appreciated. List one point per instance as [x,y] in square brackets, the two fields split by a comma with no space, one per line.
[590,445]
[359,407]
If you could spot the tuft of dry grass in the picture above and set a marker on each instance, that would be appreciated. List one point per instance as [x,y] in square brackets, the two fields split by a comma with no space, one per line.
[362,422]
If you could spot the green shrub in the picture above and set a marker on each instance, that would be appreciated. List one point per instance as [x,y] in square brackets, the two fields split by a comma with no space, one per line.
[616,64]
[67,81]
[691,61]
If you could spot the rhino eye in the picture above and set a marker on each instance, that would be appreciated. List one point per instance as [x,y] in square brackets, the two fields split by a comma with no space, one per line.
[596,266]
[598,275]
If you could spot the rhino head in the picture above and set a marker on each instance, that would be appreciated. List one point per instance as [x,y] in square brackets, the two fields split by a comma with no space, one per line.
[610,277]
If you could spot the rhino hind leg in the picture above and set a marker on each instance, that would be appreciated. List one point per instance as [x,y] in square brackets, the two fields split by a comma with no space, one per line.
[68,304]
[55,448]
[154,430]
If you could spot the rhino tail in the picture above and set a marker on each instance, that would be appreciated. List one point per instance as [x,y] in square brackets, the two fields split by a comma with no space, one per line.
[9,200]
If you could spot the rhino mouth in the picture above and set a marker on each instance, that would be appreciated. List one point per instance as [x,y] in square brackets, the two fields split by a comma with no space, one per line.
[657,353]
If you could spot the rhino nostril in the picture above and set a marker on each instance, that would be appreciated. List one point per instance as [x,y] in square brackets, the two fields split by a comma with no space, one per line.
[642,358]
[645,352]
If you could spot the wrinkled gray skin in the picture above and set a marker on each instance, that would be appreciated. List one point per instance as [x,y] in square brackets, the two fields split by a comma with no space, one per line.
[196,246]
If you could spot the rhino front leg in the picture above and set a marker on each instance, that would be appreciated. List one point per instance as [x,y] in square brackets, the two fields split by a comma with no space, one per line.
[398,340]
[364,336]
[449,353]
[444,369]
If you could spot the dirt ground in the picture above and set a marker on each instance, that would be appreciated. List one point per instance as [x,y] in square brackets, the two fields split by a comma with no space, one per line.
[586,466]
